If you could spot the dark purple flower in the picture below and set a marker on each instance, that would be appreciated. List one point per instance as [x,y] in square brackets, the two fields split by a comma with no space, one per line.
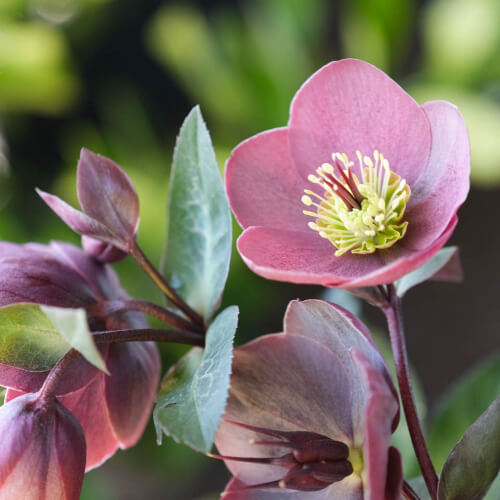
[113,410]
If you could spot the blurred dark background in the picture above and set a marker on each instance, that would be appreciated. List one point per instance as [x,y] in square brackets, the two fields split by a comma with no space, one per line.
[118,76]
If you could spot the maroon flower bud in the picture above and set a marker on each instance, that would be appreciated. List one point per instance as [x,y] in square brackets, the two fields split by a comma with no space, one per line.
[103,252]
[42,456]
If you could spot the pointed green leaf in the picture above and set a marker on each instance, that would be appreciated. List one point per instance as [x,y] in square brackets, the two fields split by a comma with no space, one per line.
[444,266]
[461,407]
[198,245]
[73,327]
[474,462]
[194,392]
[35,337]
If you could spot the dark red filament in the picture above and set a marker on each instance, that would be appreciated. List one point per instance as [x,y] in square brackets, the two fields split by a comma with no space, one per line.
[313,463]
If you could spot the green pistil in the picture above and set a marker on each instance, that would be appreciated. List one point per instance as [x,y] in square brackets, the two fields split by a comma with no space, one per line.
[360,217]
[356,459]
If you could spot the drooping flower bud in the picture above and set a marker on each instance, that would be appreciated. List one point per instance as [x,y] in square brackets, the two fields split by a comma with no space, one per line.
[42,456]
[101,251]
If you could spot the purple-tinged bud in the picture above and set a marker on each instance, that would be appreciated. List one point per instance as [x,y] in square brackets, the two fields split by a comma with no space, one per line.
[105,253]
[42,456]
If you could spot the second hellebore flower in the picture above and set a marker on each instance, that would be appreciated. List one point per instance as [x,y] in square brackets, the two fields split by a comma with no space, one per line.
[359,189]
[112,410]
[311,412]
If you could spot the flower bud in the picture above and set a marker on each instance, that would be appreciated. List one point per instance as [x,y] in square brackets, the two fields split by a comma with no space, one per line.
[43,450]
[101,251]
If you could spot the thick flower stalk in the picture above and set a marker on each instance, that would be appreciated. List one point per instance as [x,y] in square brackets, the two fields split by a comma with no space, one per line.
[359,189]
[311,412]
[112,410]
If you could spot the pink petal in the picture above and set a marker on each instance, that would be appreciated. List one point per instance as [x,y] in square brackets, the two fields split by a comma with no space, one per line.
[297,257]
[283,382]
[262,184]
[89,407]
[405,261]
[131,388]
[381,406]
[107,194]
[337,329]
[444,185]
[350,105]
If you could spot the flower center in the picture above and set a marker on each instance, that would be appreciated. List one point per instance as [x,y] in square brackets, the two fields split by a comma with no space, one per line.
[356,459]
[358,216]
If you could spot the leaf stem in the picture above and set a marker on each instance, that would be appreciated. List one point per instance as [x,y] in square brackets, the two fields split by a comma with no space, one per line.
[154,310]
[160,282]
[147,334]
[393,313]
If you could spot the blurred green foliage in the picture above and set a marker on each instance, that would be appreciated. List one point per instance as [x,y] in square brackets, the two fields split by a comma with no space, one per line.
[118,76]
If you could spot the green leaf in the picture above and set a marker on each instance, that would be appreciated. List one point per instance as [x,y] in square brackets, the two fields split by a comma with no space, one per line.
[461,407]
[198,246]
[35,337]
[28,339]
[72,325]
[445,266]
[474,462]
[419,487]
[194,392]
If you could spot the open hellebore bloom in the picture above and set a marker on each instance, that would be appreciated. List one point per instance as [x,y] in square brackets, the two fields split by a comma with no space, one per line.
[110,204]
[113,410]
[43,451]
[311,412]
[360,188]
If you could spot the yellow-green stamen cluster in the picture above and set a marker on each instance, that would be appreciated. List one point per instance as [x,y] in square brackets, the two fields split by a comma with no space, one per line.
[358,216]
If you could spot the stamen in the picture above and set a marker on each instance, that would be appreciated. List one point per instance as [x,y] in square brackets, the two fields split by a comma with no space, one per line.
[358,216]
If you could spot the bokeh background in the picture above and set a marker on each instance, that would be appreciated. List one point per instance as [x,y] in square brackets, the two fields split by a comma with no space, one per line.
[118,76]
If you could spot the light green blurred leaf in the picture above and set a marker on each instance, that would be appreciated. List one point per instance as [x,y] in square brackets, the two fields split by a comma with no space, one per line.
[194,392]
[72,325]
[461,407]
[28,339]
[474,462]
[35,337]
[455,52]
[198,245]
[446,258]
[35,72]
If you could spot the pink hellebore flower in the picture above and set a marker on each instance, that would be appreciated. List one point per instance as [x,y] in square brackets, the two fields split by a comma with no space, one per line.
[43,451]
[359,189]
[311,412]
[112,410]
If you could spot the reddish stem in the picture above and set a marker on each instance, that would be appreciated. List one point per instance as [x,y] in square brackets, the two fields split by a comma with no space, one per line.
[149,334]
[393,313]
[154,310]
[409,493]
[48,389]
[160,282]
